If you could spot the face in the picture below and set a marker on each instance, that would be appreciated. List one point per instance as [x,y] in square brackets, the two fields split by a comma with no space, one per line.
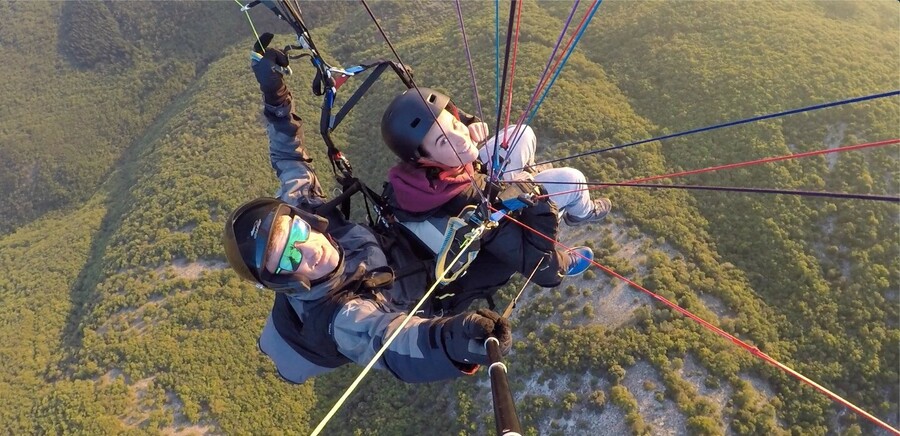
[317,257]
[454,149]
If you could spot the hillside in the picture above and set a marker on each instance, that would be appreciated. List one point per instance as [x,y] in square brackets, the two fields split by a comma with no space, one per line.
[86,78]
[119,316]
[802,257]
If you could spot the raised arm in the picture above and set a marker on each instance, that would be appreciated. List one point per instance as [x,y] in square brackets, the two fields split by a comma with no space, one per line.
[287,152]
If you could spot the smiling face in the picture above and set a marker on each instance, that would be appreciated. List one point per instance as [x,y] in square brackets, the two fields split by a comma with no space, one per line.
[318,257]
[452,150]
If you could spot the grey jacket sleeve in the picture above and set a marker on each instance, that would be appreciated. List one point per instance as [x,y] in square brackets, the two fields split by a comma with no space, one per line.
[417,354]
[287,152]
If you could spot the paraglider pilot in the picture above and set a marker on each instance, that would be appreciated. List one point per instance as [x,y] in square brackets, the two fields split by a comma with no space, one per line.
[330,275]
[436,179]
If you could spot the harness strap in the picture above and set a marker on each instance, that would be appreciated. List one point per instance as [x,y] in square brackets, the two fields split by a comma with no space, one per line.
[452,298]
[373,76]
[344,197]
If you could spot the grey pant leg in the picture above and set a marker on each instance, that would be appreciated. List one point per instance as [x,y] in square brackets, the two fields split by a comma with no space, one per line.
[571,196]
[291,366]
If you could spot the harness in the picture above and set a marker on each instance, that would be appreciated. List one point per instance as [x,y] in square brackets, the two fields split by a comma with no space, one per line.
[415,265]
[413,262]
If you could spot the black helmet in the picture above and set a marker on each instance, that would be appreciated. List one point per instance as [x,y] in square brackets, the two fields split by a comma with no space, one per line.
[407,119]
[247,234]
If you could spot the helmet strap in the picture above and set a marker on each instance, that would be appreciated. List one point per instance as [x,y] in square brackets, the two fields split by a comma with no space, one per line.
[453,110]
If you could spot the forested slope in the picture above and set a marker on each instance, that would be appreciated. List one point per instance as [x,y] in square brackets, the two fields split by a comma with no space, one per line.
[829,268]
[83,81]
[119,316]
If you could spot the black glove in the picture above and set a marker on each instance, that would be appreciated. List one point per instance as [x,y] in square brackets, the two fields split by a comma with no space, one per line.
[269,66]
[464,336]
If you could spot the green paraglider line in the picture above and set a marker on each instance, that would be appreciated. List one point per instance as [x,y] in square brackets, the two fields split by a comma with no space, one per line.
[387,343]
[246,11]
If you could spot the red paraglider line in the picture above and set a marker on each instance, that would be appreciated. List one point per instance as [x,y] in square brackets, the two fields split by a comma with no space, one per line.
[742,164]
[512,73]
[709,326]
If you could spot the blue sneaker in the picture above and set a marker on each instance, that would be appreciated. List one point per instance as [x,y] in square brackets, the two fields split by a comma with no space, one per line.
[578,263]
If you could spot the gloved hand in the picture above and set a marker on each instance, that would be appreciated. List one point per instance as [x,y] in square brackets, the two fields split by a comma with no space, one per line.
[464,335]
[269,66]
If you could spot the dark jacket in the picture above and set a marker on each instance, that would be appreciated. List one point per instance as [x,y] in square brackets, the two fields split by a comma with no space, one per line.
[505,250]
[341,320]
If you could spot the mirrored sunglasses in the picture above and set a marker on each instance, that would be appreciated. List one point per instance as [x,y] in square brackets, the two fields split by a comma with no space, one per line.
[291,255]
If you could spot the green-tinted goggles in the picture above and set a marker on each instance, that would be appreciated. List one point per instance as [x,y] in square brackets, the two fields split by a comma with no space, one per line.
[291,256]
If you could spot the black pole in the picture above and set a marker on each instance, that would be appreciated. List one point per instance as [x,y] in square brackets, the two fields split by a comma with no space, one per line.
[504,407]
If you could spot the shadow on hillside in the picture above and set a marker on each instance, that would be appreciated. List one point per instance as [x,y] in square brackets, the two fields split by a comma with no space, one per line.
[119,201]
[101,34]
[192,31]
[91,38]
[83,295]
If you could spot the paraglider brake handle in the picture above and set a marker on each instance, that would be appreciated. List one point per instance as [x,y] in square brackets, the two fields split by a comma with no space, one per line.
[342,163]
